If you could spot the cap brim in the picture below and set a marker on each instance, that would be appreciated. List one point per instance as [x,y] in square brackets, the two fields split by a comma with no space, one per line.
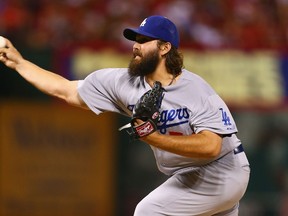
[130,34]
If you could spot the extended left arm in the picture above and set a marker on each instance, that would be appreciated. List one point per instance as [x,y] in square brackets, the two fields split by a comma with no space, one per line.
[205,144]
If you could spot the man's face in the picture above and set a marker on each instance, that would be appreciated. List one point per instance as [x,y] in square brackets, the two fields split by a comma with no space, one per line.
[145,57]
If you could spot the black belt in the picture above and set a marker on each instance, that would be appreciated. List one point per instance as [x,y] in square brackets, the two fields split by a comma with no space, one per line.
[238,149]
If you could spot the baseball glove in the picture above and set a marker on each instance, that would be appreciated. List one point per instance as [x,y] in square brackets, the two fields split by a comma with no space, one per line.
[147,109]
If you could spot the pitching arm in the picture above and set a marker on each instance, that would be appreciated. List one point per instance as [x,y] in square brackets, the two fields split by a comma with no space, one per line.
[46,81]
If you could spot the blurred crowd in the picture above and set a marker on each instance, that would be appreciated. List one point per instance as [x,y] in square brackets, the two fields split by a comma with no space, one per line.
[203,24]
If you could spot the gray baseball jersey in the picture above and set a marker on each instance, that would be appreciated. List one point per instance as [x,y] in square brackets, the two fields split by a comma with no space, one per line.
[189,106]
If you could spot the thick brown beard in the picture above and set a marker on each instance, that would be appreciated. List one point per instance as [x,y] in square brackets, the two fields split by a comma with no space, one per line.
[145,66]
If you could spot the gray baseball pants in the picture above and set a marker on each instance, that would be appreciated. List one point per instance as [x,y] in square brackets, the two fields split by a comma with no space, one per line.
[214,189]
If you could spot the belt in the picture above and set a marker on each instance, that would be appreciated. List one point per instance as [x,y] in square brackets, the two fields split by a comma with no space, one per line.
[238,149]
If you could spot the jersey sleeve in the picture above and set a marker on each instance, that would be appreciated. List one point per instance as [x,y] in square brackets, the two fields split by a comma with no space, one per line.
[215,116]
[98,91]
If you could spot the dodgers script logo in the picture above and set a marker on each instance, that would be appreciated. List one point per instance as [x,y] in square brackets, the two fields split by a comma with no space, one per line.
[172,118]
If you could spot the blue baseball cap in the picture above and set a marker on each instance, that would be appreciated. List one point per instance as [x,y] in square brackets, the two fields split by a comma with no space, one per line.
[157,27]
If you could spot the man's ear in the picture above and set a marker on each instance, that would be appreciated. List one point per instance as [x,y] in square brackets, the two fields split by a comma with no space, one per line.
[165,48]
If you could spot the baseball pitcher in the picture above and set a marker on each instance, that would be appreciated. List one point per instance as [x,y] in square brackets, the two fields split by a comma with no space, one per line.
[188,126]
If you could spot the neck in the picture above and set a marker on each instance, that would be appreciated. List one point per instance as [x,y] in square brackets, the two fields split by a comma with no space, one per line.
[160,74]
[165,80]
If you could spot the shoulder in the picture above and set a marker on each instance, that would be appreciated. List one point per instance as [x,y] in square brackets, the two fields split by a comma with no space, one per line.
[195,82]
[107,75]
[113,80]
[191,76]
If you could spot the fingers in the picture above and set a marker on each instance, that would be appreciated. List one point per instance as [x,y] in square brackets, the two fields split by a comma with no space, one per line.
[3,48]
[8,46]
[5,60]
[9,55]
[3,56]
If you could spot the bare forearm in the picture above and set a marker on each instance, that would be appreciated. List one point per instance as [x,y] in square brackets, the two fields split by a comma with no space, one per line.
[203,145]
[50,83]
[46,81]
